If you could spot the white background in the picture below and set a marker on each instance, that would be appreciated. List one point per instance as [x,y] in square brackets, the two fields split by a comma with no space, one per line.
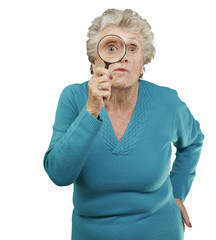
[42,50]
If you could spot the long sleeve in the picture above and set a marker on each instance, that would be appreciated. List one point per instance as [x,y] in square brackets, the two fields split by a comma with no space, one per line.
[74,133]
[188,142]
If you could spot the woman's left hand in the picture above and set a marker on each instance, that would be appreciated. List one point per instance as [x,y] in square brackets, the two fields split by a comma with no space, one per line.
[185,217]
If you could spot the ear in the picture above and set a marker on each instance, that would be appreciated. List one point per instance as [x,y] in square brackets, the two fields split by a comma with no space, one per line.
[142,72]
[92,67]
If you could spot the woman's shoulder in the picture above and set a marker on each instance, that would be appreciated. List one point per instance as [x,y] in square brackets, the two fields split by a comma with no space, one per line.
[76,88]
[75,94]
[161,92]
[159,88]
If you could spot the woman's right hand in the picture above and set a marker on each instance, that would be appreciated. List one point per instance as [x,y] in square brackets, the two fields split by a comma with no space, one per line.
[101,78]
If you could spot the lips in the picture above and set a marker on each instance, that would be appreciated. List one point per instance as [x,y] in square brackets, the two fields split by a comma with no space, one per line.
[121,70]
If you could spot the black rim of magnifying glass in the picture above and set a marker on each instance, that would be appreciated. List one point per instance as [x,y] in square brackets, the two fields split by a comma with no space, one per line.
[108,63]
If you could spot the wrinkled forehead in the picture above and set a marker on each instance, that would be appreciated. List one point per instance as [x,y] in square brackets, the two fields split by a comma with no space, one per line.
[124,33]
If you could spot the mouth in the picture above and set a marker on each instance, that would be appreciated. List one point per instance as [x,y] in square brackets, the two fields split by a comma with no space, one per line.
[121,70]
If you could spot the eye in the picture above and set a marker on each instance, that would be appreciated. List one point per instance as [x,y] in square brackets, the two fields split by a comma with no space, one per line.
[132,49]
[111,48]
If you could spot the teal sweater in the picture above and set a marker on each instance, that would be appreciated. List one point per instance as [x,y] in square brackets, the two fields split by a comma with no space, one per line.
[123,190]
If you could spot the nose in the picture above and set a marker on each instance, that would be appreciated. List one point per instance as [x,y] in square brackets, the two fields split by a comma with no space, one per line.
[125,58]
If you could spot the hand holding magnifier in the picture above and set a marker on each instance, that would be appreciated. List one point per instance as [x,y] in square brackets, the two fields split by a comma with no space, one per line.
[111,49]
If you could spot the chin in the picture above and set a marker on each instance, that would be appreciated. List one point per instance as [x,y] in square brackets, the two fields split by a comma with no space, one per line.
[122,82]
[119,83]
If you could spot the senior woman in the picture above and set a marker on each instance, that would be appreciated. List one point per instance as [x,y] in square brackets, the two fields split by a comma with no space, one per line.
[112,138]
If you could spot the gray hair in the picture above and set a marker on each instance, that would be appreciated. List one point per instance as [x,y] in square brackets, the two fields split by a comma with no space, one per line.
[125,19]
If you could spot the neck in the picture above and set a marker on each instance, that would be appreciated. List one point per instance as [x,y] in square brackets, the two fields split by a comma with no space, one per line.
[122,99]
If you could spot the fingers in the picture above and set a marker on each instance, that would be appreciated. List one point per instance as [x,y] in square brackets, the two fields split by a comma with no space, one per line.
[183,224]
[102,75]
[99,71]
[101,81]
[185,217]
[104,86]
[184,213]
[99,89]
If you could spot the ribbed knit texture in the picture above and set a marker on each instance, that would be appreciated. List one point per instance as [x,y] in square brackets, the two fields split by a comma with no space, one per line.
[123,190]
[137,122]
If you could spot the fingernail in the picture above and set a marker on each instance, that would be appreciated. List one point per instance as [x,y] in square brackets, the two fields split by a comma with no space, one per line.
[190,225]
[110,77]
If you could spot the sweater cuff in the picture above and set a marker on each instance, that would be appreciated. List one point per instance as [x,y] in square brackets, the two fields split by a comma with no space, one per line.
[89,122]
[179,194]
[181,186]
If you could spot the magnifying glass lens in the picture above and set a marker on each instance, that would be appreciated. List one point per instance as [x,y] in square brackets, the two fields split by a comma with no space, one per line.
[111,48]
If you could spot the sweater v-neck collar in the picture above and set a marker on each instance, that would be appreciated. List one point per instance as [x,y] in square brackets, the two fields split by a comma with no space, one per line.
[134,126]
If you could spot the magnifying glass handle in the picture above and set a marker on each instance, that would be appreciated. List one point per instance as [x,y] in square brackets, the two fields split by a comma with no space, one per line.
[107,64]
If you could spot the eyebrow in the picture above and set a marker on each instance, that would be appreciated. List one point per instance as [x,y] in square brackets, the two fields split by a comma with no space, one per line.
[132,38]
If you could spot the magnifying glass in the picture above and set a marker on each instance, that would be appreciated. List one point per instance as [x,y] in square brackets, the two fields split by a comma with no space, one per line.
[111,49]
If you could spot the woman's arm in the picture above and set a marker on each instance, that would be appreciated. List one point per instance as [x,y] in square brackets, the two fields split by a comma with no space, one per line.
[73,135]
[188,142]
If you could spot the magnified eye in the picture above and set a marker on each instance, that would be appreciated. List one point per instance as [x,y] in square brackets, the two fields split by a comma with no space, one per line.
[111,48]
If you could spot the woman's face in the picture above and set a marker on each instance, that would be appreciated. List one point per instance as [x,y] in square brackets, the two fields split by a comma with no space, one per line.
[126,72]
